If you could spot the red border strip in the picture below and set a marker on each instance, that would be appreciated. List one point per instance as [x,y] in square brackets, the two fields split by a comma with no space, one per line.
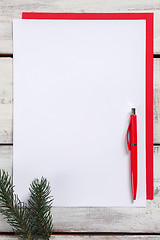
[149,106]
[149,70]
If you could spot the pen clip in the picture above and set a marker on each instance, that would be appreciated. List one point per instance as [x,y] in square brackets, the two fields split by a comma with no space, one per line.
[128,144]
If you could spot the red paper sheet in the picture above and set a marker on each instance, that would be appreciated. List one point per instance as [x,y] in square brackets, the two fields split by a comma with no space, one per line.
[149,70]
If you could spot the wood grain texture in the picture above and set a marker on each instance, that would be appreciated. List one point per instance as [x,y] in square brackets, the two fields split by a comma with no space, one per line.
[105,237]
[6,100]
[91,237]
[156,101]
[12,9]
[6,164]
[90,219]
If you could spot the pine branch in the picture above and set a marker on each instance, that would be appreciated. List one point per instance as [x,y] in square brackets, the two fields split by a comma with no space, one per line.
[39,205]
[12,208]
[29,222]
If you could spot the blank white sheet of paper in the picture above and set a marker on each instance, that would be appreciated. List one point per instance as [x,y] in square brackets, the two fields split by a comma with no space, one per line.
[75,82]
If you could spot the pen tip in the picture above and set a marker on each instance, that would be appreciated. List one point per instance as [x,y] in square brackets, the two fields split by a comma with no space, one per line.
[133,111]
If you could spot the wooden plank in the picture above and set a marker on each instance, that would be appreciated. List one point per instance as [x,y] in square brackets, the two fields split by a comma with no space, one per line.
[156,101]
[104,237]
[92,237]
[10,10]
[90,219]
[6,100]
[6,164]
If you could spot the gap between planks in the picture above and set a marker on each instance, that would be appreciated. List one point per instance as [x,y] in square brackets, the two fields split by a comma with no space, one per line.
[76,234]
[11,144]
[9,55]
[111,236]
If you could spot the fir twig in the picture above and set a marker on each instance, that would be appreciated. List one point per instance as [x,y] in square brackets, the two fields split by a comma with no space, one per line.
[39,205]
[30,222]
[12,208]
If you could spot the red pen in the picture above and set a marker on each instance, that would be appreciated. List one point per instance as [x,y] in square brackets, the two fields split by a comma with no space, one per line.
[132,147]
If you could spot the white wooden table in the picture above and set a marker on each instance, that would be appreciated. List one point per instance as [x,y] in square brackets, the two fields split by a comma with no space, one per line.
[82,223]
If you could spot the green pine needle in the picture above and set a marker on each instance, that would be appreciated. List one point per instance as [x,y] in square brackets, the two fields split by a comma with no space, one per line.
[32,221]
[12,208]
[40,204]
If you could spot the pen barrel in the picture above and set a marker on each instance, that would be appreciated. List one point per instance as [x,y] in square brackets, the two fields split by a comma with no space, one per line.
[133,144]
[133,130]
[134,170]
